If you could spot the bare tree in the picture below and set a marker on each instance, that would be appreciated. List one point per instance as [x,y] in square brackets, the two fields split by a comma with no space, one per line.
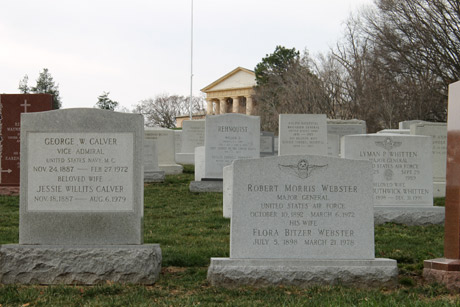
[294,89]
[163,109]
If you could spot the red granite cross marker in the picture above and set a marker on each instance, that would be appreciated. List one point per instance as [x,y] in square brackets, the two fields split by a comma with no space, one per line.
[447,270]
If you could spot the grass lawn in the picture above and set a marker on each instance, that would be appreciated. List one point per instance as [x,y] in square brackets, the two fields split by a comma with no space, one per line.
[190,229]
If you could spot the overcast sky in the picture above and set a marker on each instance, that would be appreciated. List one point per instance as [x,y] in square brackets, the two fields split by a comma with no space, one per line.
[141,48]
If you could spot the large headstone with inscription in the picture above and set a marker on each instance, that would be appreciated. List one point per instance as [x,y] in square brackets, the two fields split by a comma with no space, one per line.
[438,133]
[301,220]
[230,137]
[81,204]
[11,107]
[302,134]
[192,137]
[164,141]
[402,175]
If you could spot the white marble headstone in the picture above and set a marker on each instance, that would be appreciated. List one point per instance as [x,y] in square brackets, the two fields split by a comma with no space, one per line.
[230,137]
[302,207]
[302,134]
[401,164]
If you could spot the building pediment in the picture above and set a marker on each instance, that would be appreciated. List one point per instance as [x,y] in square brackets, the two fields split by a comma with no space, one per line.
[238,78]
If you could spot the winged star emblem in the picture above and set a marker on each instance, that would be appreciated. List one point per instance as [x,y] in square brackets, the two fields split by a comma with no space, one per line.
[388,144]
[302,169]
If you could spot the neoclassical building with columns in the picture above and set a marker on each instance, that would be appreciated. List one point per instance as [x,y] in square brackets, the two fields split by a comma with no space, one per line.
[231,93]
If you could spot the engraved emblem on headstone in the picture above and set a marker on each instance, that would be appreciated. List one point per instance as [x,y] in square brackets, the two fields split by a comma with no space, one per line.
[302,169]
[388,174]
[388,144]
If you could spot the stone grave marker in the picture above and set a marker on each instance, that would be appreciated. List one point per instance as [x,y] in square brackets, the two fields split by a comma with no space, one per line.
[438,133]
[302,220]
[336,128]
[192,137]
[403,188]
[152,172]
[302,134]
[230,137]
[395,131]
[267,142]
[81,204]
[164,140]
[406,124]
[177,141]
[11,108]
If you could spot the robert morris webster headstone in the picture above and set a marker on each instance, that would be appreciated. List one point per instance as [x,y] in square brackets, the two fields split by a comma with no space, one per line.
[302,134]
[402,176]
[81,204]
[11,108]
[302,220]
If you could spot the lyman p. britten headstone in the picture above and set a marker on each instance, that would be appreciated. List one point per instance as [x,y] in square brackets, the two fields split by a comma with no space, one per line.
[81,201]
[402,176]
[11,107]
[302,220]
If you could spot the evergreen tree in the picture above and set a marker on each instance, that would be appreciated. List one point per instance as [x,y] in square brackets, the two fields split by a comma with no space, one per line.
[46,85]
[105,103]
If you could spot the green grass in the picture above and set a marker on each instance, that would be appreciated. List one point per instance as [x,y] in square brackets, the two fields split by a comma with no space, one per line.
[190,229]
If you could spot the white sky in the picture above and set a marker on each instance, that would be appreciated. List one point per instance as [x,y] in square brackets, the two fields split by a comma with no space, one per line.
[141,48]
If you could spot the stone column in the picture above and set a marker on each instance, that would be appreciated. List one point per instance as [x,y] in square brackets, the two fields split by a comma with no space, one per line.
[209,107]
[249,106]
[236,105]
[217,110]
[223,105]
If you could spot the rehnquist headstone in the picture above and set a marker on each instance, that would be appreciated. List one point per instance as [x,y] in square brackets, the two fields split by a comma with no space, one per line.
[81,201]
[230,137]
[296,219]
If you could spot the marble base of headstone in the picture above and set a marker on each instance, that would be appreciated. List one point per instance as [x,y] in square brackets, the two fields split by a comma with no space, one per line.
[171,169]
[185,158]
[409,215]
[84,264]
[154,176]
[439,189]
[226,272]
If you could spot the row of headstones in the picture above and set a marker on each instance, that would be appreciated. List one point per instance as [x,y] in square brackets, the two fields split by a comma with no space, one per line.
[305,209]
